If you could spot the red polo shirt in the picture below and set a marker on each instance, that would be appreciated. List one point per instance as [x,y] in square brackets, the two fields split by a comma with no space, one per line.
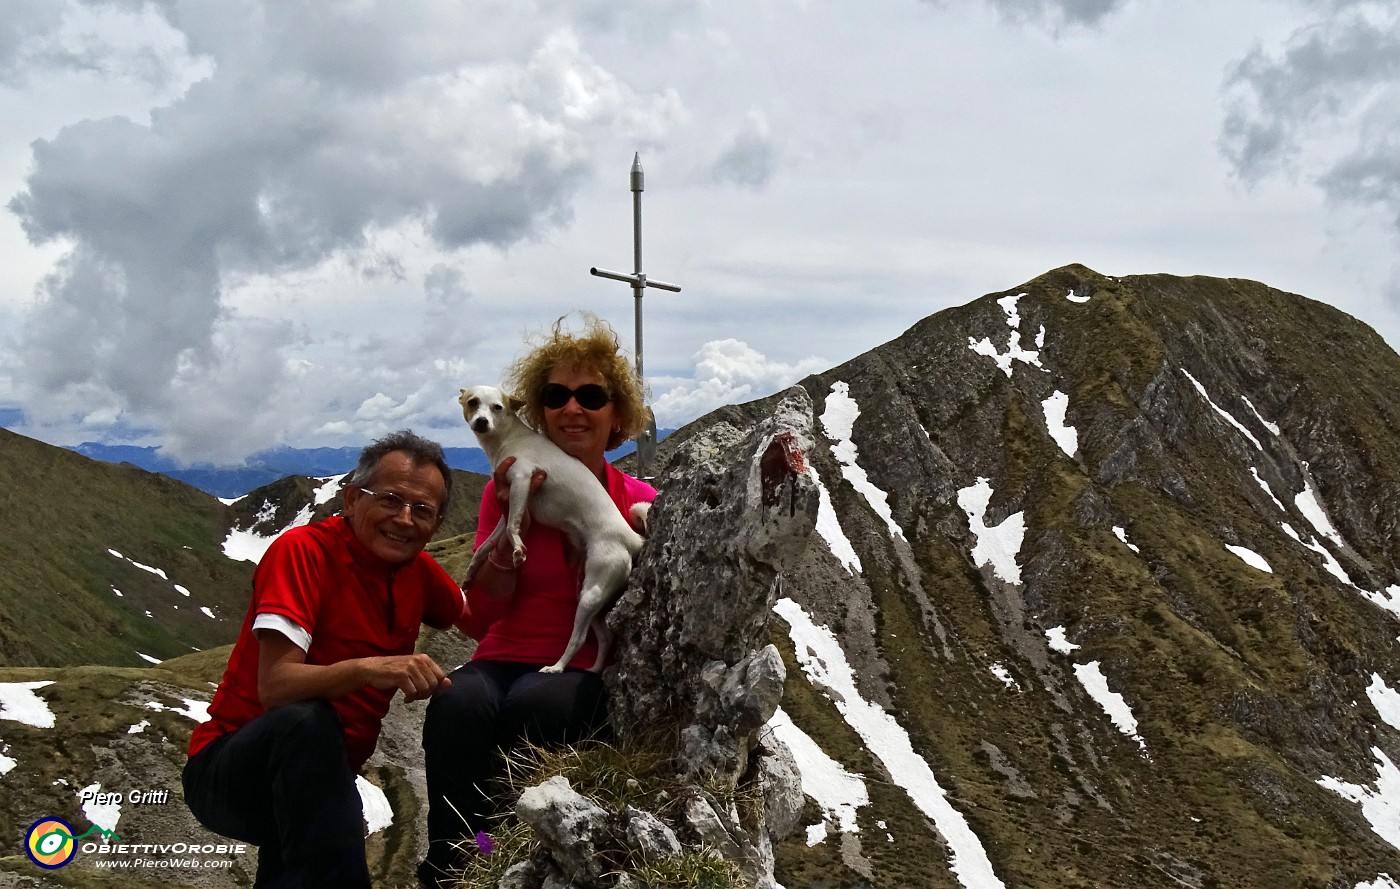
[352,603]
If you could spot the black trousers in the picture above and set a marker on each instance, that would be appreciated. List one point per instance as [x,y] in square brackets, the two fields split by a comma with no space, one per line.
[282,783]
[490,708]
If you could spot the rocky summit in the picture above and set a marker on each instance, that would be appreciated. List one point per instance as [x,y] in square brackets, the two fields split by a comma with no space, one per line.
[1090,583]
[1106,595]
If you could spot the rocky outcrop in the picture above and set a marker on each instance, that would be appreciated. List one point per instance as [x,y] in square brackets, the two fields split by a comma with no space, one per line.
[734,513]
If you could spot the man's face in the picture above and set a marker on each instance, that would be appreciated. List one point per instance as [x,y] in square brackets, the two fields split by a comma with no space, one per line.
[396,536]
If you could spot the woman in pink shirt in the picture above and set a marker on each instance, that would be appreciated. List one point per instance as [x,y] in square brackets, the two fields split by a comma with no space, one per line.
[582,393]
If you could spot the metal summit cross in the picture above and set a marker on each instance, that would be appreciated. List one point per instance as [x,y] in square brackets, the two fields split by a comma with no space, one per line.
[646,440]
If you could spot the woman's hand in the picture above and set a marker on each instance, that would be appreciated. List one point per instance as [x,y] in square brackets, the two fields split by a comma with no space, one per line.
[497,577]
[503,554]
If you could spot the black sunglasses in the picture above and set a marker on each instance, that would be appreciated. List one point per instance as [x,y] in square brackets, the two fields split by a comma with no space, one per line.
[590,396]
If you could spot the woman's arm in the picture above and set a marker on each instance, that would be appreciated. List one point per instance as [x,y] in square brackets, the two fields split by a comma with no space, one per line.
[494,582]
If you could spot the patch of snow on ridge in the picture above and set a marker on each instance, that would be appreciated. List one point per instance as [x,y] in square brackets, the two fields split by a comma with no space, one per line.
[1091,676]
[836,791]
[839,420]
[1013,314]
[1221,411]
[330,487]
[378,813]
[1122,534]
[1385,699]
[1013,352]
[1382,881]
[1055,408]
[829,527]
[999,545]
[1250,558]
[1329,561]
[1059,641]
[1312,510]
[249,546]
[1389,599]
[104,815]
[6,764]
[1380,806]
[196,710]
[1272,427]
[1267,490]
[158,572]
[1000,672]
[19,703]
[826,666]
[1096,684]
[1076,299]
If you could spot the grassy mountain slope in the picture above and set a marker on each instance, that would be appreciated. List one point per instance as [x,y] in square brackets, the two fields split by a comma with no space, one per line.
[67,517]
[87,539]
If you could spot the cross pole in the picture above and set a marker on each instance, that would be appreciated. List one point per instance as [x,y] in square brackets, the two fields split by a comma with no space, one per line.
[646,440]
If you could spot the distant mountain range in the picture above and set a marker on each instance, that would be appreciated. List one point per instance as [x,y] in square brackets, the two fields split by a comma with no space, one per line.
[266,467]
[262,468]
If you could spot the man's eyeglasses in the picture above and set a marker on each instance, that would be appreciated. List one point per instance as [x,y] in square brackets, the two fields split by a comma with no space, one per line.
[422,513]
[590,396]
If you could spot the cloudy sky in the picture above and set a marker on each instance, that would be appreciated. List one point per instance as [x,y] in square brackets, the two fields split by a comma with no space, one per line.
[233,225]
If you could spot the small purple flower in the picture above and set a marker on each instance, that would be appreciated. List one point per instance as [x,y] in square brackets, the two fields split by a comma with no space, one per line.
[483,842]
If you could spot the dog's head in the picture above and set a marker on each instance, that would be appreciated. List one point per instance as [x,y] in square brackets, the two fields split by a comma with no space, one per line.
[487,408]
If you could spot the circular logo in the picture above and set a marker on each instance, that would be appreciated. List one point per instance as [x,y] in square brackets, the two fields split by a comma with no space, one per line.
[50,843]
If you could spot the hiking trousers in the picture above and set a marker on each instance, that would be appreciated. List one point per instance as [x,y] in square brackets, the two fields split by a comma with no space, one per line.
[282,783]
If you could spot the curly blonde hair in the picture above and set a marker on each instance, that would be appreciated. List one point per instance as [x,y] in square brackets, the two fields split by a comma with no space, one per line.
[596,350]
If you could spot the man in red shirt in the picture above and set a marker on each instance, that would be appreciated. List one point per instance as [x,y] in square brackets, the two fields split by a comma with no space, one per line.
[328,638]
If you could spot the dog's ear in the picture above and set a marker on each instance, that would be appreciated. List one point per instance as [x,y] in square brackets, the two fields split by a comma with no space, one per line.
[516,405]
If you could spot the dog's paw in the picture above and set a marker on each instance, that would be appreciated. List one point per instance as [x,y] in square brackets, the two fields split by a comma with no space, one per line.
[553,668]
[517,555]
[638,517]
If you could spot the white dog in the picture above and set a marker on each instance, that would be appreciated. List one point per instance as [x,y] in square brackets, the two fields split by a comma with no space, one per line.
[571,499]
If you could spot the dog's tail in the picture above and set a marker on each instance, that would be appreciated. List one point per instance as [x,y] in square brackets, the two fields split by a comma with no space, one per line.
[637,515]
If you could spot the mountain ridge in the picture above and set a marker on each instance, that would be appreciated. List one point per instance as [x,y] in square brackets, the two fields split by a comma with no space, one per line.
[1262,665]
[1115,559]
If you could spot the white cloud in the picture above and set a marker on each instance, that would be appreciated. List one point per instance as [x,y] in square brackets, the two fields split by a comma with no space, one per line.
[725,372]
[316,127]
[1325,106]
[230,225]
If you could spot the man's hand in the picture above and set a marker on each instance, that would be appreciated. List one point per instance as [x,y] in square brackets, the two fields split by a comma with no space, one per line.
[284,675]
[416,675]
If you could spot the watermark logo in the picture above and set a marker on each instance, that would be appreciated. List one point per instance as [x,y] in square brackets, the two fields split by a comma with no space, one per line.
[51,843]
